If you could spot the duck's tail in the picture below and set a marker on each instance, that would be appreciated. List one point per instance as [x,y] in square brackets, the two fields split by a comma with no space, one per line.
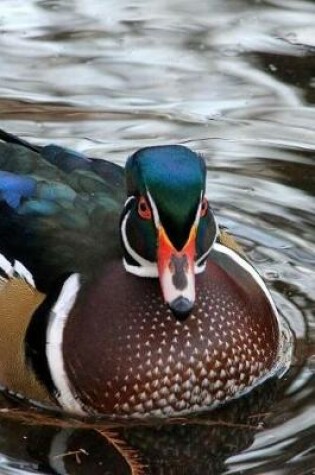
[10,138]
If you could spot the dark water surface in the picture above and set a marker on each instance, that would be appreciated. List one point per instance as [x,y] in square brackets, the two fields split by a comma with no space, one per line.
[234,80]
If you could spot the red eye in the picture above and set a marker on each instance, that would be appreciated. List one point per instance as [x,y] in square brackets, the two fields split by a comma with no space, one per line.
[204,207]
[144,209]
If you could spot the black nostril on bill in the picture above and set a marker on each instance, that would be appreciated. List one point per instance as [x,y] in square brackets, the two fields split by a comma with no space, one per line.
[179,265]
[181,308]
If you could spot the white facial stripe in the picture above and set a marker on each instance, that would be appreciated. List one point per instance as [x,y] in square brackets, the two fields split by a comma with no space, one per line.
[197,218]
[155,210]
[156,217]
[149,269]
[57,322]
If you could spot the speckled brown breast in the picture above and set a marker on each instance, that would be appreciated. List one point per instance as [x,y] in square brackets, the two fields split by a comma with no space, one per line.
[135,358]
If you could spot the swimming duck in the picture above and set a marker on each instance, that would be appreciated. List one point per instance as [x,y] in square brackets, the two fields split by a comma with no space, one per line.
[119,294]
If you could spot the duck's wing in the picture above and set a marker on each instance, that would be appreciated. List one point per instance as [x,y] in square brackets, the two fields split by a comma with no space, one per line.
[19,300]
[230,257]
[59,210]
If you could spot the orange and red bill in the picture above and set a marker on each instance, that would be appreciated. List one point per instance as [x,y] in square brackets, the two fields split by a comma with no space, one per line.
[177,272]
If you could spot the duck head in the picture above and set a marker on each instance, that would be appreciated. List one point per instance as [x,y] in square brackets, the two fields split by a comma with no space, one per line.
[167,226]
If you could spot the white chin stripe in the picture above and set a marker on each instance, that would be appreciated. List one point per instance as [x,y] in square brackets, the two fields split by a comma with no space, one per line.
[150,270]
[199,269]
[145,268]
[57,321]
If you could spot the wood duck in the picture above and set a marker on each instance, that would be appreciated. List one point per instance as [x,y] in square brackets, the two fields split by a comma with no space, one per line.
[119,295]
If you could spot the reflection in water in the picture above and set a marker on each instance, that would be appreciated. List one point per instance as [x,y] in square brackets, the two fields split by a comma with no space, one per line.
[235,81]
[192,445]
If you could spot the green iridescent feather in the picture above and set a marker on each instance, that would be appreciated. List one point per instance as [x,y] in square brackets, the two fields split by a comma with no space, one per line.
[67,220]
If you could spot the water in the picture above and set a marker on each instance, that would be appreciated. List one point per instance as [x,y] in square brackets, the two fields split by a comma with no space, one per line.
[236,82]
